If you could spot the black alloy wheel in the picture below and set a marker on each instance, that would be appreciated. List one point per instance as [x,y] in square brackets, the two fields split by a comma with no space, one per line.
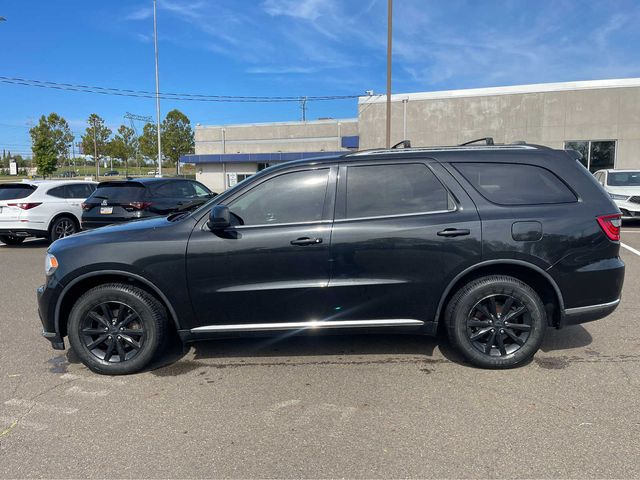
[496,321]
[113,332]
[498,325]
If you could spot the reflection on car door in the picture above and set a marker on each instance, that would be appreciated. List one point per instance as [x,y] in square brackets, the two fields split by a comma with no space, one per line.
[273,264]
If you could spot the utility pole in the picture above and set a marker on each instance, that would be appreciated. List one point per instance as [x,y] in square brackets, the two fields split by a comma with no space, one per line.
[389,37]
[155,42]
[303,106]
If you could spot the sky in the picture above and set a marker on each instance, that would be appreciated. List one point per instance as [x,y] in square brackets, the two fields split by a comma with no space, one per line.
[294,48]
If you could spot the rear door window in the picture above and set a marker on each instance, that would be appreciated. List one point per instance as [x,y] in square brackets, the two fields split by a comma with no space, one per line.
[79,190]
[59,192]
[124,192]
[400,189]
[14,191]
[516,183]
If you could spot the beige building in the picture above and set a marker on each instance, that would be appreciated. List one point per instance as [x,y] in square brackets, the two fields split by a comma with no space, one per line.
[227,154]
[600,118]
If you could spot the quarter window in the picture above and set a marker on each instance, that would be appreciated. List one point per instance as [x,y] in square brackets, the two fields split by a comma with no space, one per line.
[516,183]
[290,198]
[384,190]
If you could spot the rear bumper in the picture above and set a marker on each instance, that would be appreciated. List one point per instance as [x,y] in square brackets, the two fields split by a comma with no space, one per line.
[23,232]
[574,316]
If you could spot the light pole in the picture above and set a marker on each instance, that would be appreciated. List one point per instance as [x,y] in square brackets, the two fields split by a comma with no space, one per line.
[155,42]
[389,36]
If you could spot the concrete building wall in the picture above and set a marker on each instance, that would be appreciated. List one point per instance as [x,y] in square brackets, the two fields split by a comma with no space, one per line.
[213,174]
[317,135]
[547,114]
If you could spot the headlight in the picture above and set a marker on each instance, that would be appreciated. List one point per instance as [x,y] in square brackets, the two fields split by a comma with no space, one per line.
[50,264]
[615,196]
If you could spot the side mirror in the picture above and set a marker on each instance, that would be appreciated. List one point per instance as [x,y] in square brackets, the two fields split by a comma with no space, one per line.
[219,217]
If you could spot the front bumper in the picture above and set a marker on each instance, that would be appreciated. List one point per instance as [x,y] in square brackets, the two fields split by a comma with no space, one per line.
[46,310]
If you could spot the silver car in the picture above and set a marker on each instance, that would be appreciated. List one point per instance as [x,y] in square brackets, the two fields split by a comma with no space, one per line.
[624,188]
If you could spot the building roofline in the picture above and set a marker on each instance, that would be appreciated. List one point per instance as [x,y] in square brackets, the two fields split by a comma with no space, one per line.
[507,90]
[327,121]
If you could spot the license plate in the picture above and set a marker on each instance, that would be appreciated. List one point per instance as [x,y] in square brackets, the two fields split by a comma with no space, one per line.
[106,210]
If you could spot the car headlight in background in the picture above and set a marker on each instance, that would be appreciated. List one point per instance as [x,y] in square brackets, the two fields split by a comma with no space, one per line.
[50,264]
[615,196]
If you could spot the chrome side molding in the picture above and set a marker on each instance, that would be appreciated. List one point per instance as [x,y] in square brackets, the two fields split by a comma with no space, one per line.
[588,308]
[313,324]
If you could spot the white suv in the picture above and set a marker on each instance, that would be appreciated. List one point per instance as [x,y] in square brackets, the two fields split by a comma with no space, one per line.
[48,209]
[624,188]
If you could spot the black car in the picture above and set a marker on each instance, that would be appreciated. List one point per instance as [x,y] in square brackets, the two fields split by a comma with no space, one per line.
[494,243]
[111,173]
[124,200]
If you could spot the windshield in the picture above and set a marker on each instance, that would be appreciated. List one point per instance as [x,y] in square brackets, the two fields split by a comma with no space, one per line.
[118,192]
[624,179]
[12,191]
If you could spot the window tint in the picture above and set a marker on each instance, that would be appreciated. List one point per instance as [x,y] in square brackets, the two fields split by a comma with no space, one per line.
[11,191]
[381,190]
[58,192]
[624,179]
[79,190]
[289,198]
[119,192]
[516,184]
[166,190]
[201,190]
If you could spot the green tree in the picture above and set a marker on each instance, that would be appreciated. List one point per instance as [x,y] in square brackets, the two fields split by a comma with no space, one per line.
[123,146]
[62,136]
[44,147]
[96,138]
[177,136]
[149,141]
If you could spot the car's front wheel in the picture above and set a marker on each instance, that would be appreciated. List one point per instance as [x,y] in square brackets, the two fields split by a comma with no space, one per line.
[11,240]
[496,321]
[117,328]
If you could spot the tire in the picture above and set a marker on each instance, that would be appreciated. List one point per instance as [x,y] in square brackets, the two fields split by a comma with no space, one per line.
[487,336]
[10,240]
[62,227]
[108,348]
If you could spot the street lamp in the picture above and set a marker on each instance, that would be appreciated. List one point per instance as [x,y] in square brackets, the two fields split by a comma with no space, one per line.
[155,43]
[389,38]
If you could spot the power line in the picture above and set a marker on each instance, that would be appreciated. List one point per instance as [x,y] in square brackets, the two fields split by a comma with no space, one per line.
[166,95]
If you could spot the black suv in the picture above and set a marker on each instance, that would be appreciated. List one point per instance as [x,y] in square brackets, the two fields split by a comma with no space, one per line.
[121,201]
[494,243]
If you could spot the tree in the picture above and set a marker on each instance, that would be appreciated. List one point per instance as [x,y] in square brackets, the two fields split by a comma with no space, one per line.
[44,147]
[50,138]
[149,141]
[124,145]
[177,136]
[96,138]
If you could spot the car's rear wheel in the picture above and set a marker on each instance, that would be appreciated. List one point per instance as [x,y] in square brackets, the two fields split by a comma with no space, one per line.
[62,227]
[11,240]
[117,328]
[496,321]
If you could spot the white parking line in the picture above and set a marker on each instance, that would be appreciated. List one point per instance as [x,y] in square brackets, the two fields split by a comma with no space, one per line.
[631,249]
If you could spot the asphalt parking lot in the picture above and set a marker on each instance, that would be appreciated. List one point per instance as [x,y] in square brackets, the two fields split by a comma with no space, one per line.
[362,406]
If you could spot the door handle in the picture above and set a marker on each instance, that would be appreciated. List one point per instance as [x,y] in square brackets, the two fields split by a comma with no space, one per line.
[454,232]
[302,241]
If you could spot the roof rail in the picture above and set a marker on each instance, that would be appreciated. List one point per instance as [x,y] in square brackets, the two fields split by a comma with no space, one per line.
[486,140]
[403,144]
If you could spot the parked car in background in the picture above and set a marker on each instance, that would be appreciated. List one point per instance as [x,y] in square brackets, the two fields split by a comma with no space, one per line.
[41,208]
[494,243]
[124,200]
[111,173]
[624,188]
[68,174]
[153,172]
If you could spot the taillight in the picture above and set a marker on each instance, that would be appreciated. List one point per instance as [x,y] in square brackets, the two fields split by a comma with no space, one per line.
[130,207]
[87,206]
[610,225]
[25,206]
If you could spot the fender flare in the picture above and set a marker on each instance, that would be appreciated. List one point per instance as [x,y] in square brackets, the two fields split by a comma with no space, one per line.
[122,273]
[487,263]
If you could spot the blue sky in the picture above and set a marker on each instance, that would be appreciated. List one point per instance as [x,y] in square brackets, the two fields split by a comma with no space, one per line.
[295,47]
